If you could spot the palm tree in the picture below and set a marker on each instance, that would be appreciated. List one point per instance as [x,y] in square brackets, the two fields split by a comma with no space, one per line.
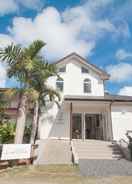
[20,65]
[44,92]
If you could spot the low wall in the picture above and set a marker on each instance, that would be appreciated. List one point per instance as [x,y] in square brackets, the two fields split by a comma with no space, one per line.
[124,149]
[16,154]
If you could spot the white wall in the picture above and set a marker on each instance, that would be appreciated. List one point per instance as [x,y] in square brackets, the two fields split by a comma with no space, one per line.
[73,80]
[55,123]
[121,120]
[52,124]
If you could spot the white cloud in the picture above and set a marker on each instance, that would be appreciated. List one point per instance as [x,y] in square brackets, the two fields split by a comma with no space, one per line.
[7,6]
[121,54]
[75,29]
[5,40]
[11,6]
[127,91]
[61,39]
[2,75]
[31,4]
[120,72]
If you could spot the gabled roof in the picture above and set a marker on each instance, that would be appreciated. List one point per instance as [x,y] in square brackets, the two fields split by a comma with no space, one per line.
[102,73]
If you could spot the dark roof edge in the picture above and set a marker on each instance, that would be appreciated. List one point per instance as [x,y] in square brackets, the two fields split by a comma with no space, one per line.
[99,100]
[106,98]
[65,57]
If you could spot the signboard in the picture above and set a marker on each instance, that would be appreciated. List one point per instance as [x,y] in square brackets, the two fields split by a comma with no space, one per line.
[16,151]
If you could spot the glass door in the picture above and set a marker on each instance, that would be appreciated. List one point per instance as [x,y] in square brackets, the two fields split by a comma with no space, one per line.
[88,126]
[93,126]
[76,126]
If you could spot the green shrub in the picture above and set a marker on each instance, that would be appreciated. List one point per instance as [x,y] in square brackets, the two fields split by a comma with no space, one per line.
[7,132]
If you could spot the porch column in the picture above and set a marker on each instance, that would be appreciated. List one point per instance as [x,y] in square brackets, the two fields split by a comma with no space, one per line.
[109,123]
[71,107]
[104,121]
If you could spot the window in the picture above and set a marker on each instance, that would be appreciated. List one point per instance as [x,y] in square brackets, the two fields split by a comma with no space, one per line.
[60,84]
[62,69]
[85,70]
[87,86]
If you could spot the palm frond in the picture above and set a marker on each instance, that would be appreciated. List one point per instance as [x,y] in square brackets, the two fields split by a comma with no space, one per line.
[33,49]
[11,54]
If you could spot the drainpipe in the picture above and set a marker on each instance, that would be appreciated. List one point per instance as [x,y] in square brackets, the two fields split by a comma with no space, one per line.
[111,119]
[71,108]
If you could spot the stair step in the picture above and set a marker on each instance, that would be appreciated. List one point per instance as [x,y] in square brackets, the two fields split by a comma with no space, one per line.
[95,149]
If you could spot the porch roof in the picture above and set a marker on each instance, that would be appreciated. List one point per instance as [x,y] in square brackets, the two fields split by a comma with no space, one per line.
[106,97]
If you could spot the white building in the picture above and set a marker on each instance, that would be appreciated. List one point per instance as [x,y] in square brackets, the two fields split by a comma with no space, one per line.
[86,111]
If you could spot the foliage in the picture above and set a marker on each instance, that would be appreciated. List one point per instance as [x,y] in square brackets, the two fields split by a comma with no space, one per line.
[7,132]
[3,105]
[27,133]
[32,72]
[20,60]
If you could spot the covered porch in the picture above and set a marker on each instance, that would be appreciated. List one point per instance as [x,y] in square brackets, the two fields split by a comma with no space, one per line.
[90,119]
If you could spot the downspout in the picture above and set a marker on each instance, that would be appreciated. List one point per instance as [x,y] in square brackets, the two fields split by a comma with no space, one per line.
[71,108]
[111,119]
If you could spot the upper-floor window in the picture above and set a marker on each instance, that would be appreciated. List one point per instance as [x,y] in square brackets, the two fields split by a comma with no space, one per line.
[84,70]
[62,69]
[60,84]
[87,86]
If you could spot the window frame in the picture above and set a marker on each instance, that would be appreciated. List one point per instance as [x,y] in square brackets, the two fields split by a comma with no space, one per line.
[61,68]
[87,87]
[60,84]
[84,70]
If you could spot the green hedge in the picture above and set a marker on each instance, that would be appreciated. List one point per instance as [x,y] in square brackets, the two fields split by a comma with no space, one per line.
[7,132]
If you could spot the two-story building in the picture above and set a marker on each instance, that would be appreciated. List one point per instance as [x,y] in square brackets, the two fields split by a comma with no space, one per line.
[86,111]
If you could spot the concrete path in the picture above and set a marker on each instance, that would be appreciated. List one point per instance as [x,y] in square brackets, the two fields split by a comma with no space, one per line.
[105,167]
[52,151]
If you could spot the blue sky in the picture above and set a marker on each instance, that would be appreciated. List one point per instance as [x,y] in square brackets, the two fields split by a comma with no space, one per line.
[99,30]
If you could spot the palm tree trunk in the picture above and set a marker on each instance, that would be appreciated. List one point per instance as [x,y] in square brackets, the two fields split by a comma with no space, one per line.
[34,123]
[21,120]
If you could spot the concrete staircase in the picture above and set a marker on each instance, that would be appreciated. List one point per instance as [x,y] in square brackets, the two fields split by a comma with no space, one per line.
[52,151]
[95,149]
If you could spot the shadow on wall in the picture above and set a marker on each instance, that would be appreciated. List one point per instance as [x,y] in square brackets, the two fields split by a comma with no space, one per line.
[55,122]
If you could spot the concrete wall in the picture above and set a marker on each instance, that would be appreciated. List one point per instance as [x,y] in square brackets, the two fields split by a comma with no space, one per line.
[55,123]
[121,120]
[73,80]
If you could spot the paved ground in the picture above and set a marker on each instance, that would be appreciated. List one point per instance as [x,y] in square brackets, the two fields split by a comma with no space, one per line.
[54,174]
[120,167]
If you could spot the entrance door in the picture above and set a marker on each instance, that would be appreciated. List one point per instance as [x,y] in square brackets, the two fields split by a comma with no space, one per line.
[89,127]
[93,128]
[76,126]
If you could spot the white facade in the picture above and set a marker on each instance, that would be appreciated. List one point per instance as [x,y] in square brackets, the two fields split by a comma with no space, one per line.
[74,78]
[121,120]
[115,117]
